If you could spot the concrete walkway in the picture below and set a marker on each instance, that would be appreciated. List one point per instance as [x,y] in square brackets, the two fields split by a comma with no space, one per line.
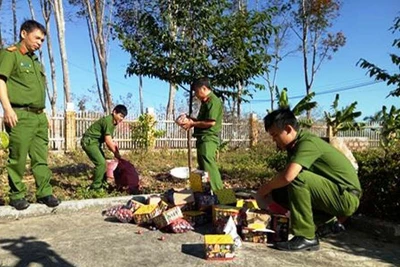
[76,234]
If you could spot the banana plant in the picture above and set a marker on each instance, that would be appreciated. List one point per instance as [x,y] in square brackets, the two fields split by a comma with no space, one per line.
[390,131]
[4,141]
[305,104]
[342,119]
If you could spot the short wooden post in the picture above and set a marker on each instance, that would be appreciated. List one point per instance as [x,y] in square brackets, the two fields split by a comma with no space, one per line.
[253,129]
[70,128]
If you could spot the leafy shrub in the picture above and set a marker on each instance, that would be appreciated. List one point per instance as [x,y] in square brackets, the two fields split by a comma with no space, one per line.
[277,160]
[379,175]
[144,132]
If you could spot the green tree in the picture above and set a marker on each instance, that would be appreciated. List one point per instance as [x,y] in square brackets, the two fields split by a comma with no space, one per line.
[209,40]
[342,119]
[312,21]
[381,74]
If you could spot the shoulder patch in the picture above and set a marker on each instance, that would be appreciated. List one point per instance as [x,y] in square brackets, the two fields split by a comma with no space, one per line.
[12,48]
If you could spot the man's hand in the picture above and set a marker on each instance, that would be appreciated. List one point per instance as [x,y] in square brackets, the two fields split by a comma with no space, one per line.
[187,124]
[117,154]
[10,118]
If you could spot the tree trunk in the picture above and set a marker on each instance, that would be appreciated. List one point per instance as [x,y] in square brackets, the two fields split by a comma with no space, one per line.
[171,102]
[141,94]
[172,87]
[239,101]
[46,11]
[60,22]
[14,15]
[96,75]
[97,25]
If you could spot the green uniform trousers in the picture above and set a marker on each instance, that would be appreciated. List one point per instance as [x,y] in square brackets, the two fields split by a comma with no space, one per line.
[96,155]
[313,200]
[29,137]
[206,158]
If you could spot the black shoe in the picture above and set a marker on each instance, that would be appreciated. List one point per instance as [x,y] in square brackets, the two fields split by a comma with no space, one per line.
[330,229]
[19,204]
[50,201]
[299,243]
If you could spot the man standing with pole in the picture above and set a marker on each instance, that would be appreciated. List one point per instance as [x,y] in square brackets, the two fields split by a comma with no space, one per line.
[207,127]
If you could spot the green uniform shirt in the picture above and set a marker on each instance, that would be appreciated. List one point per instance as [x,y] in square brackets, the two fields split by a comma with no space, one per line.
[25,77]
[210,110]
[99,129]
[319,157]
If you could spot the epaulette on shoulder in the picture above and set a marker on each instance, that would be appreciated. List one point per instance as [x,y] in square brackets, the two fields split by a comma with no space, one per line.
[12,48]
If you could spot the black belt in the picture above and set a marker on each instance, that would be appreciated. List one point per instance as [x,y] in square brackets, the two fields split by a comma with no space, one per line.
[30,109]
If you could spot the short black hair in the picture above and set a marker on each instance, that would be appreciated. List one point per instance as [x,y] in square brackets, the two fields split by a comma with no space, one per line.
[280,118]
[121,109]
[31,25]
[204,81]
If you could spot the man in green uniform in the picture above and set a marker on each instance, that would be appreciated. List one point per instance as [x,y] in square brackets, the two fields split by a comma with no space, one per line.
[207,127]
[92,141]
[22,95]
[318,184]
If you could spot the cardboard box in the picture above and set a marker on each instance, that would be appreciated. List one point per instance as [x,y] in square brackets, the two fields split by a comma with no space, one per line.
[182,197]
[153,200]
[256,219]
[133,205]
[219,247]
[163,206]
[196,218]
[253,235]
[199,181]
[226,196]
[223,212]
[247,203]
[165,218]
[145,214]
[280,224]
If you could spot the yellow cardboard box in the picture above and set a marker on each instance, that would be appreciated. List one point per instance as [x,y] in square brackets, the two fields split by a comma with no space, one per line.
[219,247]
[145,214]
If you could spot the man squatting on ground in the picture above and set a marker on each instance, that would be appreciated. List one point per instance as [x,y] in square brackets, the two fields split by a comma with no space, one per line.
[100,132]
[22,95]
[318,184]
[207,127]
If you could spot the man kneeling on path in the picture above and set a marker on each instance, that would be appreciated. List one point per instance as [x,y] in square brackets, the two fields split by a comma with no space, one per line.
[318,184]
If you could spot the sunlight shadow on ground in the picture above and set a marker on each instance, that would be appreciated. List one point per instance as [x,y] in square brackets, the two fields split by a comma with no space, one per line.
[29,250]
[360,244]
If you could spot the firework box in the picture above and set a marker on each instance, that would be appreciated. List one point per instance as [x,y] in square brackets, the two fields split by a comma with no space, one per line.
[196,218]
[133,205]
[165,218]
[145,214]
[247,203]
[162,205]
[222,212]
[219,247]
[204,200]
[182,197]
[252,217]
[199,181]
[280,225]
[153,199]
[249,234]
[226,196]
